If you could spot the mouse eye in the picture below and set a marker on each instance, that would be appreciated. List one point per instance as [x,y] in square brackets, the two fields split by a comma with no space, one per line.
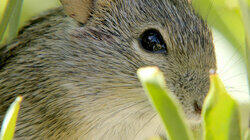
[152,41]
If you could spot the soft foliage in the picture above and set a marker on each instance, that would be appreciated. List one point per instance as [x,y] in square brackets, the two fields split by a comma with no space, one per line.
[9,123]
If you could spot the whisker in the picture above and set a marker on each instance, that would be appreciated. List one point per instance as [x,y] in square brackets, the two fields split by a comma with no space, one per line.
[233,76]
[229,63]
[146,123]
[233,89]
[114,113]
[147,106]
[237,86]
[239,91]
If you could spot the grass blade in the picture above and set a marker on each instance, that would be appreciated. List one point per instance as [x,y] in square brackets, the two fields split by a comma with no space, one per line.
[245,8]
[220,113]
[11,5]
[153,82]
[247,136]
[14,21]
[9,123]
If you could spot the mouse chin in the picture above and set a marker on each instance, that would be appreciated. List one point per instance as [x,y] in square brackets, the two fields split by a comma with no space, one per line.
[194,117]
[194,120]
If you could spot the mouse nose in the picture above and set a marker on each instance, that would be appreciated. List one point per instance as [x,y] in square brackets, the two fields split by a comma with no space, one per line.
[197,107]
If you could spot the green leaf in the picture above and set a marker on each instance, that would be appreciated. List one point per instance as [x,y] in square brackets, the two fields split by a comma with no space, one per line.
[244,109]
[247,135]
[245,8]
[9,123]
[220,113]
[153,82]
[13,8]
[14,21]
[224,16]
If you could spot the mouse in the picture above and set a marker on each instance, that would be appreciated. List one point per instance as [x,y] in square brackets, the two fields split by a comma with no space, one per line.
[75,67]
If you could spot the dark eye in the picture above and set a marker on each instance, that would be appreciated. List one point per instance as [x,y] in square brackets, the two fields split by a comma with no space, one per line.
[151,40]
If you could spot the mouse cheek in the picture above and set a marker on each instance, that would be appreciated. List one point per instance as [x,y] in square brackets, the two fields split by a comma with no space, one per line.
[149,59]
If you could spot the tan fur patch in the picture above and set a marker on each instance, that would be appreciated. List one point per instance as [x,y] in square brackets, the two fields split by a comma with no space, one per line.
[78,9]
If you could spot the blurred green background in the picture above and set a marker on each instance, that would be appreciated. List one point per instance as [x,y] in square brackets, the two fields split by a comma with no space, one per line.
[225,16]
[31,8]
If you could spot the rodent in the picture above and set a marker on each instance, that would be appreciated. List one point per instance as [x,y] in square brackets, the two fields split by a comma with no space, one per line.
[78,75]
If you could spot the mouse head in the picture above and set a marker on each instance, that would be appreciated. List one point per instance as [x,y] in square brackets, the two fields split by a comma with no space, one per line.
[163,33]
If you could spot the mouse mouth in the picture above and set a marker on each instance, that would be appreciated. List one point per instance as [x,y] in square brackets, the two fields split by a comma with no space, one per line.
[194,113]
[197,108]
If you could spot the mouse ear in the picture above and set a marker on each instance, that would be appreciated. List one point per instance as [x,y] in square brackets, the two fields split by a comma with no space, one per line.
[78,9]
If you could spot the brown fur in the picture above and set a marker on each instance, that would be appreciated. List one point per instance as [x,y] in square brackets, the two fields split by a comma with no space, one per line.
[78,9]
[79,81]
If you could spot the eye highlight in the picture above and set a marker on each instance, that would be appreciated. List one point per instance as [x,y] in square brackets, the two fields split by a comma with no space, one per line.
[151,40]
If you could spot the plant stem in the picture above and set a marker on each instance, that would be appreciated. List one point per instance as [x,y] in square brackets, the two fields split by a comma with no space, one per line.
[245,8]
[11,5]
[14,21]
